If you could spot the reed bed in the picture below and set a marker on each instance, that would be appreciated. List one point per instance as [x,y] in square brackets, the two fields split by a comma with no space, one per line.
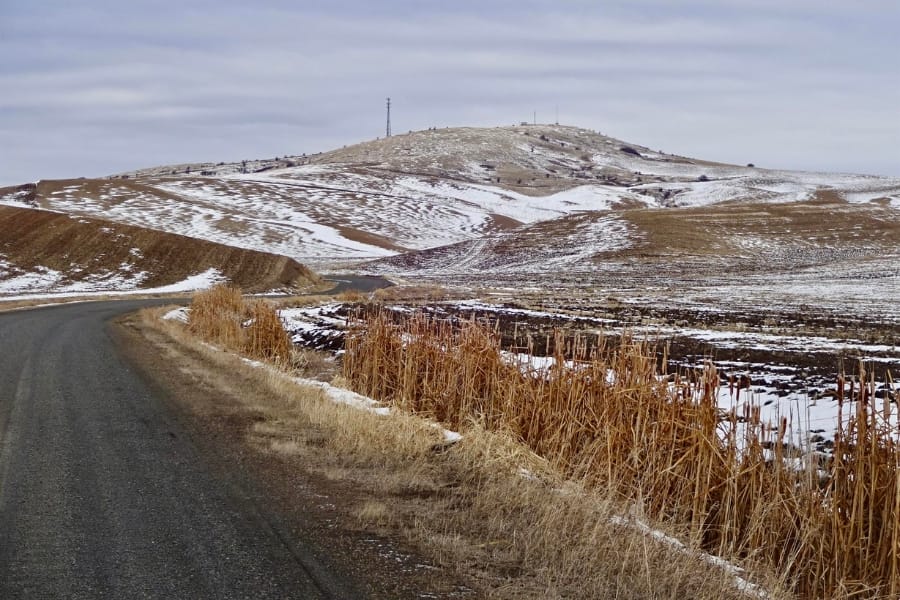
[221,315]
[828,526]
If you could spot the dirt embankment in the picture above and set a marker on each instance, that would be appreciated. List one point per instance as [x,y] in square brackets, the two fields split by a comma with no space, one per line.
[88,249]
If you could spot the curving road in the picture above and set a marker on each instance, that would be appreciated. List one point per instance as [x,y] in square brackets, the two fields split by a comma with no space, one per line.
[356,283]
[102,494]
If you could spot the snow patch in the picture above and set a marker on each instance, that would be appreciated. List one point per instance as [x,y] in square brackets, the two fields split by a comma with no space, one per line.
[46,283]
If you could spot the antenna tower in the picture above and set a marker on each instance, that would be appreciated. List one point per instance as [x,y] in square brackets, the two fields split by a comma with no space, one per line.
[388,134]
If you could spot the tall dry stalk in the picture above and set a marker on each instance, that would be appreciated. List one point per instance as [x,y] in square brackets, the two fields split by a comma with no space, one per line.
[221,316]
[264,336]
[608,418]
[216,315]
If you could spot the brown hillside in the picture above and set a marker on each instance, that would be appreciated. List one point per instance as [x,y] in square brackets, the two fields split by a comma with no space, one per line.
[719,240]
[86,249]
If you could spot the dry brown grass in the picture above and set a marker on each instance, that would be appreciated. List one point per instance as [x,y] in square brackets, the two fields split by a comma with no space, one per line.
[467,507]
[687,244]
[314,364]
[569,534]
[795,231]
[299,301]
[264,335]
[351,296]
[220,315]
[374,512]
[412,293]
[666,450]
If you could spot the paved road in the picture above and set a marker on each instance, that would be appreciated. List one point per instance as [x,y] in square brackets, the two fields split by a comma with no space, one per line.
[101,492]
[358,283]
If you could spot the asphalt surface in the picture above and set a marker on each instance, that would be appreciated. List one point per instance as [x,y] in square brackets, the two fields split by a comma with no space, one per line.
[358,283]
[102,493]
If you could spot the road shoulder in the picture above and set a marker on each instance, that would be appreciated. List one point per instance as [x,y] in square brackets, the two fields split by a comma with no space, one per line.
[283,467]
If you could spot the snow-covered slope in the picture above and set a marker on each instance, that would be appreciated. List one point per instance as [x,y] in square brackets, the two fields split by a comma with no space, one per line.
[458,189]
[45,252]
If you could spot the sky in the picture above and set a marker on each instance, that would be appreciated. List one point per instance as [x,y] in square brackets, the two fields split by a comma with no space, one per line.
[95,87]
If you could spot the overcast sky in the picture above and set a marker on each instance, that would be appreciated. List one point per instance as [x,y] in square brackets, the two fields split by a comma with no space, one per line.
[93,87]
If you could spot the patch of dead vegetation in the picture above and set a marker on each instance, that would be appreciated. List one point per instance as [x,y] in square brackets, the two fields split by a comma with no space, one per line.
[414,293]
[662,446]
[494,518]
[725,229]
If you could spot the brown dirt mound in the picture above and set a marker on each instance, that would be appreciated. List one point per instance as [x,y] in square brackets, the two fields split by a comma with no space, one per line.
[83,248]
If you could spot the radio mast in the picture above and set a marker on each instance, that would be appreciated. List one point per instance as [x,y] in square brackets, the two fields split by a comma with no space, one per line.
[388,131]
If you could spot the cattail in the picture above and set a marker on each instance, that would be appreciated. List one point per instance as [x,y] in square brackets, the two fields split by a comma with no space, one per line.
[610,420]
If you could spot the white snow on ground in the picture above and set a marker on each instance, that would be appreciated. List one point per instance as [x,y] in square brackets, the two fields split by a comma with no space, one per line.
[343,396]
[700,184]
[312,318]
[47,284]
[585,237]
[15,281]
[767,341]
[812,418]
[346,397]
[179,314]
[740,582]
[200,281]
[866,288]
[315,327]
[13,201]
[18,198]
[531,364]
[488,200]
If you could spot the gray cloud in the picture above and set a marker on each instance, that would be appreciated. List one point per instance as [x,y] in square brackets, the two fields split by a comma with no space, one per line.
[99,87]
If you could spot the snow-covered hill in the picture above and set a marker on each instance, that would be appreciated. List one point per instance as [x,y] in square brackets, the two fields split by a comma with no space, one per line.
[44,252]
[429,189]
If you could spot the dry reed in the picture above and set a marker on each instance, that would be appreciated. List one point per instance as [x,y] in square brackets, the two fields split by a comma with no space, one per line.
[467,507]
[220,315]
[264,336]
[830,528]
